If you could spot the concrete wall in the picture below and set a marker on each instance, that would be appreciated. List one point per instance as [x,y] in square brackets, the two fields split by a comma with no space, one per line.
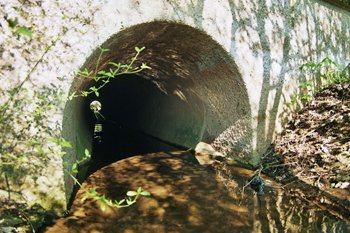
[262,45]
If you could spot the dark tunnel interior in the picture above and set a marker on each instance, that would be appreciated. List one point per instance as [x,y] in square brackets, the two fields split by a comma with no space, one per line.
[132,109]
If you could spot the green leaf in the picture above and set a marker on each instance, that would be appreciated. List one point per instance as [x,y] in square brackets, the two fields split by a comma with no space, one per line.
[60,142]
[308,84]
[144,193]
[109,202]
[52,140]
[139,49]
[38,148]
[120,202]
[72,95]
[102,49]
[139,190]
[12,24]
[93,191]
[74,168]
[131,193]
[102,205]
[144,66]
[115,64]
[65,144]
[129,201]
[327,60]
[85,73]
[85,197]
[24,31]
[306,96]
[87,153]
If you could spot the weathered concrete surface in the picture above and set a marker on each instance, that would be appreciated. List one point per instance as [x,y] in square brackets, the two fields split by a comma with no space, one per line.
[266,40]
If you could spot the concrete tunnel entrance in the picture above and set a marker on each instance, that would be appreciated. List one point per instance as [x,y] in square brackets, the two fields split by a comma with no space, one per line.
[193,93]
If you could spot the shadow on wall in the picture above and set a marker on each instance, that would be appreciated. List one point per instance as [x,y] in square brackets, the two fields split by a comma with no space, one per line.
[278,37]
[193,92]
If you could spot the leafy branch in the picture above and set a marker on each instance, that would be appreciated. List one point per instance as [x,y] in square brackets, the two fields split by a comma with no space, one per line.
[132,195]
[105,76]
[329,70]
[126,202]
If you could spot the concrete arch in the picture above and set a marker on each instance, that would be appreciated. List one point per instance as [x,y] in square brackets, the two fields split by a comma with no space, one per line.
[193,92]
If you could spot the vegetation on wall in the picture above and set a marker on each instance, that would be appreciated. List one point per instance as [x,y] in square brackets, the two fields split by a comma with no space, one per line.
[106,76]
[31,146]
[319,76]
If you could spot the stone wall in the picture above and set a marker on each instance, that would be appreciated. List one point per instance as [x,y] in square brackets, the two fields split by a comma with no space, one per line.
[260,44]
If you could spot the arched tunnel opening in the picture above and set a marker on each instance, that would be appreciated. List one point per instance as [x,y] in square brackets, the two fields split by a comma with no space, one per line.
[194,92]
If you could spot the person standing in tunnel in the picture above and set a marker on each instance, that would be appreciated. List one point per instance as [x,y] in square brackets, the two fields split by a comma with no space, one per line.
[96,106]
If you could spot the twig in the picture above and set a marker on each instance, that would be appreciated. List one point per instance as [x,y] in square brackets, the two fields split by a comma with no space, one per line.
[280,165]
[270,151]
[8,185]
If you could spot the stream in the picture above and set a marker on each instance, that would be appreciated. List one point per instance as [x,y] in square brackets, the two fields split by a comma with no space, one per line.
[193,194]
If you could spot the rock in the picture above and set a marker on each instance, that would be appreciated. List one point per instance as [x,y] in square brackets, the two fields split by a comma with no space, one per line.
[205,148]
[257,183]
[342,185]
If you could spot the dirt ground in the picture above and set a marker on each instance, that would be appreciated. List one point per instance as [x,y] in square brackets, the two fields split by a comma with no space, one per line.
[315,145]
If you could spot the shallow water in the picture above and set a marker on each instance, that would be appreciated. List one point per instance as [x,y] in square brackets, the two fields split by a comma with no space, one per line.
[189,197]
[192,194]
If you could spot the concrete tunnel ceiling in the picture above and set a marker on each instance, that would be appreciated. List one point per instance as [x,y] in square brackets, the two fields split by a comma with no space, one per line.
[193,92]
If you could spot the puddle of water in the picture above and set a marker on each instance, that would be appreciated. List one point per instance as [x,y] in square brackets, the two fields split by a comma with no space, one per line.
[189,197]
[296,207]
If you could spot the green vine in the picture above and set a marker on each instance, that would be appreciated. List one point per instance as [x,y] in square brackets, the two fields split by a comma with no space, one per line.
[92,193]
[106,76]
